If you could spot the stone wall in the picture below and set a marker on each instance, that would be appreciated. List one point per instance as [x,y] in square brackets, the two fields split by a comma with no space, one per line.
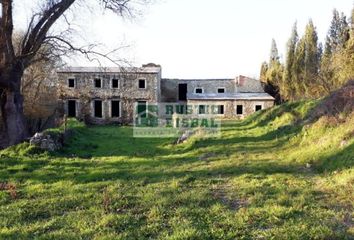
[128,94]
[169,87]
[230,106]
[169,90]
[157,90]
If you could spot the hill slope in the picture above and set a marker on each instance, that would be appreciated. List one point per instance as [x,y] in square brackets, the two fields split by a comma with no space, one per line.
[285,173]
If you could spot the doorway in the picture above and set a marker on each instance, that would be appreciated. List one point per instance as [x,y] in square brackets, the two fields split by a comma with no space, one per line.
[182,92]
[115,108]
[98,108]
[142,109]
[71,108]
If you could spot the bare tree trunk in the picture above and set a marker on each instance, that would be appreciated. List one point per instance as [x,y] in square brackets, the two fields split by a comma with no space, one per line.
[12,110]
[13,63]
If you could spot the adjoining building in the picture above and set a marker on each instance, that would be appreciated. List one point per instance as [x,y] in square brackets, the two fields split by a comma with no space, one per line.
[108,95]
[235,98]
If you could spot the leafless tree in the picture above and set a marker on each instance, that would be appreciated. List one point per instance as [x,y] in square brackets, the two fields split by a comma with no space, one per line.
[38,37]
[39,89]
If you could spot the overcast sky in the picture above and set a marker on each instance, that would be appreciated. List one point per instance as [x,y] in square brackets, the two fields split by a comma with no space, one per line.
[202,38]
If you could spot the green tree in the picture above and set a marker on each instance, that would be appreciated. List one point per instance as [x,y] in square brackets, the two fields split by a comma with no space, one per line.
[274,54]
[287,85]
[334,32]
[263,73]
[311,70]
[325,78]
[298,70]
[338,33]
[306,64]
[274,79]
[344,31]
[343,60]
[271,73]
[312,59]
[336,46]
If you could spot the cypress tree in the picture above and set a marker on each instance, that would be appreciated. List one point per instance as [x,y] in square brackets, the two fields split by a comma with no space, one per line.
[338,32]
[344,31]
[331,46]
[274,74]
[263,73]
[336,43]
[288,84]
[306,64]
[274,54]
[343,60]
[325,79]
[334,31]
[311,61]
[298,69]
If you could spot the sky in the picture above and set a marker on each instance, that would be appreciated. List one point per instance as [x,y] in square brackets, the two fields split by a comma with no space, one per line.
[198,38]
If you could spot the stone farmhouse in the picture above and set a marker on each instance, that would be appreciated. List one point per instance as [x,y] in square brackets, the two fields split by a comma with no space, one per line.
[108,95]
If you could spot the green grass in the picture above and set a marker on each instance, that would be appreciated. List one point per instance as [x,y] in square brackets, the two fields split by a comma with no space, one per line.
[253,182]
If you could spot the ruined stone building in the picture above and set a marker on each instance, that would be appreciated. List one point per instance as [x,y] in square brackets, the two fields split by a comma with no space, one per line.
[108,95]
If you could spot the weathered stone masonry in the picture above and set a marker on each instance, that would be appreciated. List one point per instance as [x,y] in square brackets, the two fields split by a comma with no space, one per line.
[127,93]
[108,95]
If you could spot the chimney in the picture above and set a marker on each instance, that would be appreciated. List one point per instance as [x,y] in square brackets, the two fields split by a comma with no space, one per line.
[241,80]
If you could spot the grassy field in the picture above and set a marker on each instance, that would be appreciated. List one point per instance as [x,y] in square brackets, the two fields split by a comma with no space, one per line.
[272,176]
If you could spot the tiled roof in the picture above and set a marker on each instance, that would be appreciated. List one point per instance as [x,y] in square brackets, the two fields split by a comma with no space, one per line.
[109,70]
[230,96]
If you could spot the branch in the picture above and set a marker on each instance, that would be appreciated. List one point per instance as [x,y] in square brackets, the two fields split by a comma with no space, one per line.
[118,6]
[63,47]
[38,34]
[6,30]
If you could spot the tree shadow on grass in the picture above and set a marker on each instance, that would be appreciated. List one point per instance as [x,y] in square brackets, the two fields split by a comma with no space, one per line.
[155,160]
[110,141]
[272,140]
[80,171]
[342,159]
[139,159]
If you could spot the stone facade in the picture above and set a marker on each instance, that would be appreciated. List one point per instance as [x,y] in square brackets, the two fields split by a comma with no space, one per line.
[169,87]
[126,94]
[109,95]
[230,106]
